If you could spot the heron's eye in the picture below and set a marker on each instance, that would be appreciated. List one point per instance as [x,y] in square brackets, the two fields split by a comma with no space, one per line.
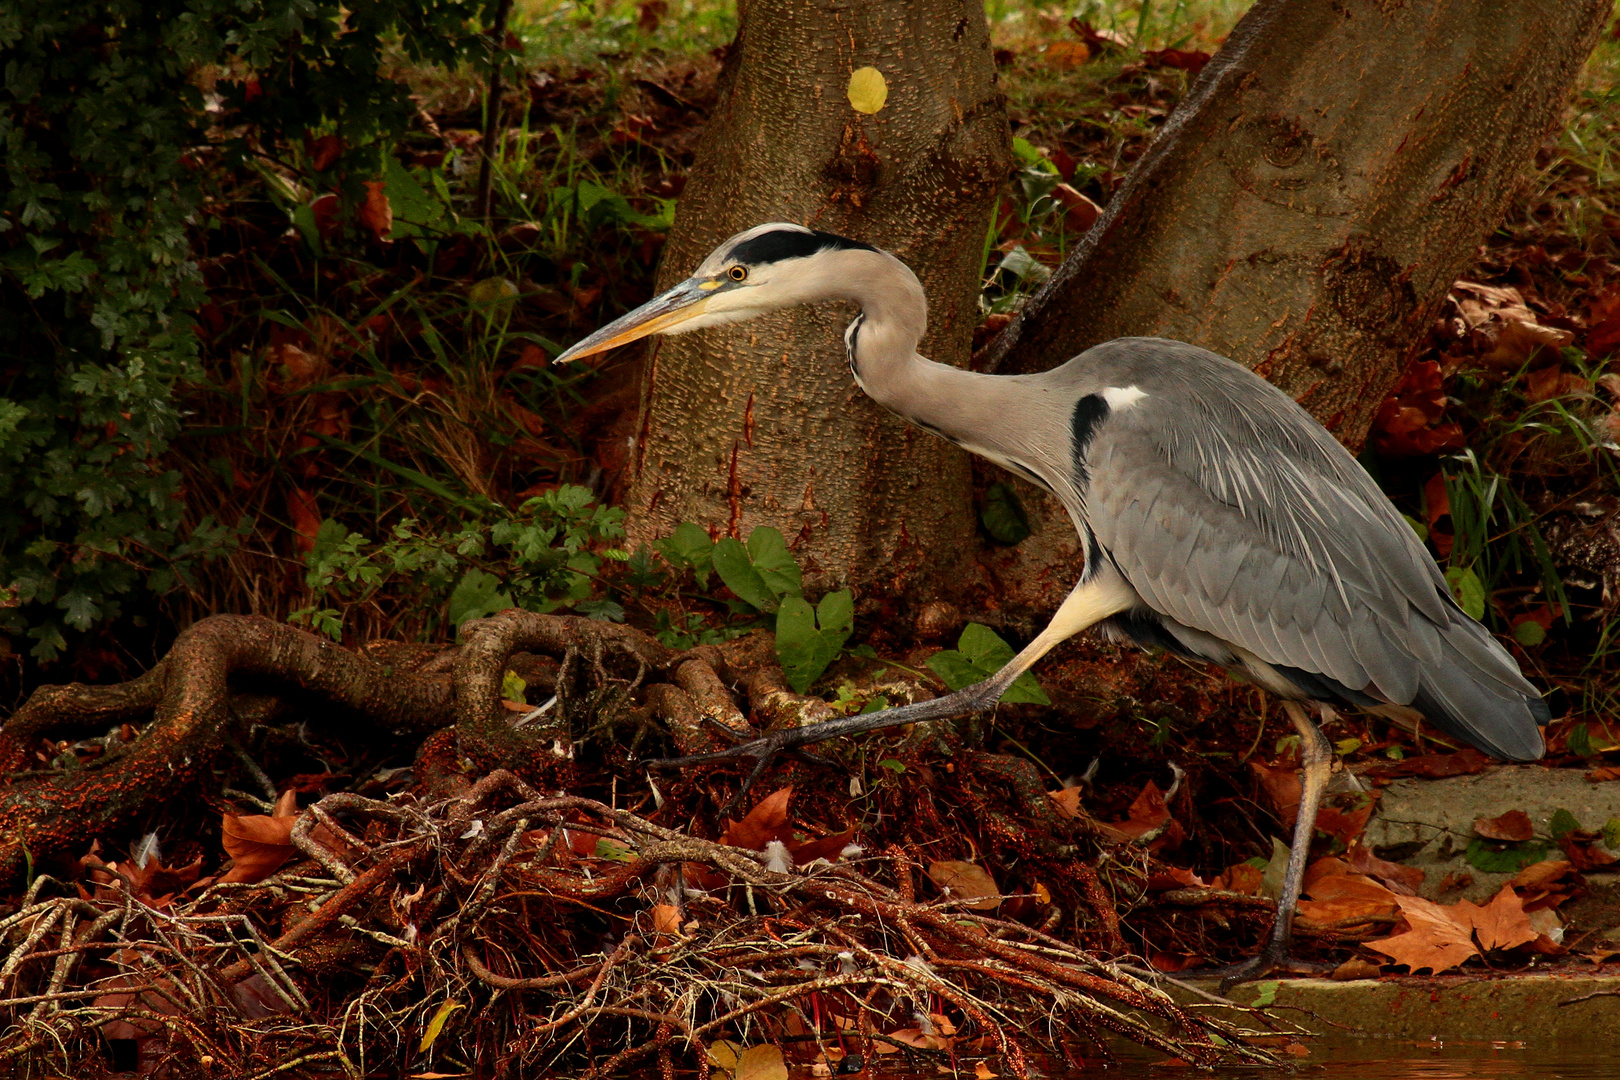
[738,273]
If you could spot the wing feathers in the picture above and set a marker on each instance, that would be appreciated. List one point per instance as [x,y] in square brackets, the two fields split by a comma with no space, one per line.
[1234,514]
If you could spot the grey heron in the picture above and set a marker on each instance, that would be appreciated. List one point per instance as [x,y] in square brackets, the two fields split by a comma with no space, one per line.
[1217,518]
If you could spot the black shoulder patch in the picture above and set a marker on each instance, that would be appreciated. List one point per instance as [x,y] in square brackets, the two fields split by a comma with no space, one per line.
[779,244]
[1089,411]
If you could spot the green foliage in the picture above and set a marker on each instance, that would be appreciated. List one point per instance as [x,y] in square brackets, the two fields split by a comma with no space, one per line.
[809,639]
[980,652]
[111,118]
[1003,515]
[1562,824]
[760,573]
[544,557]
[1498,858]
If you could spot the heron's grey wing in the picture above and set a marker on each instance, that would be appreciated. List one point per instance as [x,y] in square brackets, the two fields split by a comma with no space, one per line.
[1234,513]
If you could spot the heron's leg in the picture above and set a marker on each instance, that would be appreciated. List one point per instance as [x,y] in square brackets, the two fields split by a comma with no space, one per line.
[1316,761]
[1089,603]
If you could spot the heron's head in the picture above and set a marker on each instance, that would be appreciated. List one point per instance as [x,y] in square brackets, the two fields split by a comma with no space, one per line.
[767,268]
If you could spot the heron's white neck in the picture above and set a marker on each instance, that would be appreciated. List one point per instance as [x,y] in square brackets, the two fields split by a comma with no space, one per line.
[1000,417]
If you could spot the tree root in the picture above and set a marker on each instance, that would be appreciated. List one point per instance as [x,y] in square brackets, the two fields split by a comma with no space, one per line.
[189,703]
[825,956]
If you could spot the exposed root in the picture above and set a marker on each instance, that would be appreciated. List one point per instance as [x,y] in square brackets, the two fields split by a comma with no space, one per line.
[550,962]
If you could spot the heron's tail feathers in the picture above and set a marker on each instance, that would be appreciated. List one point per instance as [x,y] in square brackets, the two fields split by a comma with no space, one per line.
[1476,693]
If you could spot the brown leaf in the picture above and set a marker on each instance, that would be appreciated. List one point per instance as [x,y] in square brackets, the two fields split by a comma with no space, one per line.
[1191,61]
[1356,968]
[1436,939]
[767,821]
[1540,875]
[1068,801]
[324,152]
[966,881]
[1404,880]
[1432,766]
[921,1040]
[761,1063]
[376,215]
[258,843]
[1066,55]
[1551,382]
[1337,895]
[1282,786]
[1343,825]
[1513,825]
[1606,772]
[1148,811]
[1240,878]
[1079,212]
[1502,923]
[828,847]
[306,518]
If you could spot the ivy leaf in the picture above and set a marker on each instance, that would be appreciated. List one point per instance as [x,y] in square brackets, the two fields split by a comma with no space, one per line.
[1003,515]
[980,652]
[1468,591]
[1563,823]
[476,595]
[775,563]
[736,569]
[689,545]
[808,640]
[1494,858]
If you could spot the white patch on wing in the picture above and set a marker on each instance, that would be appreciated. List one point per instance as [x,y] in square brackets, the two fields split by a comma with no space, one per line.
[1122,397]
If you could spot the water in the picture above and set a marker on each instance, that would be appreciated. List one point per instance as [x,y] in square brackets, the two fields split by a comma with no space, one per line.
[1597,1058]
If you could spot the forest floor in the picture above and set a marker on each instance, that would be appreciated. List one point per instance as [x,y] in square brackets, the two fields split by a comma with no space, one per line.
[371,875]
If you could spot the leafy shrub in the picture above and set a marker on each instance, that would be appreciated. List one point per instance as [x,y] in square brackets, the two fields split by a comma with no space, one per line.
[114,118]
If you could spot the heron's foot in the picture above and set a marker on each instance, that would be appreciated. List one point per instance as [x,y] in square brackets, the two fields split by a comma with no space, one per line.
[762,751]
[1268,962]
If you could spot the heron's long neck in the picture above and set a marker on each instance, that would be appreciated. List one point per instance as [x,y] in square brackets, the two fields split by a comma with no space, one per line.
[985,414]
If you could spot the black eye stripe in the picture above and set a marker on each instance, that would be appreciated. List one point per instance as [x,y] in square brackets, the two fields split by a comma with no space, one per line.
[779,244]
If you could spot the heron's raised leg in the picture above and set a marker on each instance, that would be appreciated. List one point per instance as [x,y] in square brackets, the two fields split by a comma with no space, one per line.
[1089,603]
[1316,761]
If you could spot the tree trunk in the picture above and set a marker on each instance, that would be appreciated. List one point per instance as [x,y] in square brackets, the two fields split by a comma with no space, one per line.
[1308,205]
[761,424]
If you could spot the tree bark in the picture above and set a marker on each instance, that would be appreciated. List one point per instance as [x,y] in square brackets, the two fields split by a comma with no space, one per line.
[1308,205]
[761,424]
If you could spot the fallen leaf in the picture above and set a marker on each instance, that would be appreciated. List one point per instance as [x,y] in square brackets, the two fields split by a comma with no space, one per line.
[1068,801]
[767,821]
[1282,786]
[966,881]
[1502,923]
[306,518]
[981,1071]
[828,847]
[324,152]
[1337,896]
[1079,212]
[1342,825]
[1547,383]
[1191,61]
[921,1040]
[259,844]
[1405,880]
[1356,968]
[1436,939]
[761,1063]
[1541,875]
[435,1026]
[1066,55]
[1606,772]
[376,215]
[1432,766]
[1148,811]
[1513,825]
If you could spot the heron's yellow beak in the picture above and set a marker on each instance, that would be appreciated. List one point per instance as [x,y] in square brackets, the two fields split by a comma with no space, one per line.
[658,315]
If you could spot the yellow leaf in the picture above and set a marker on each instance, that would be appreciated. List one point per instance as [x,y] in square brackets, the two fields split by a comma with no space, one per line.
[436,1025]
[724,1054]
[867,90]
[981,1071]
[761,1063]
